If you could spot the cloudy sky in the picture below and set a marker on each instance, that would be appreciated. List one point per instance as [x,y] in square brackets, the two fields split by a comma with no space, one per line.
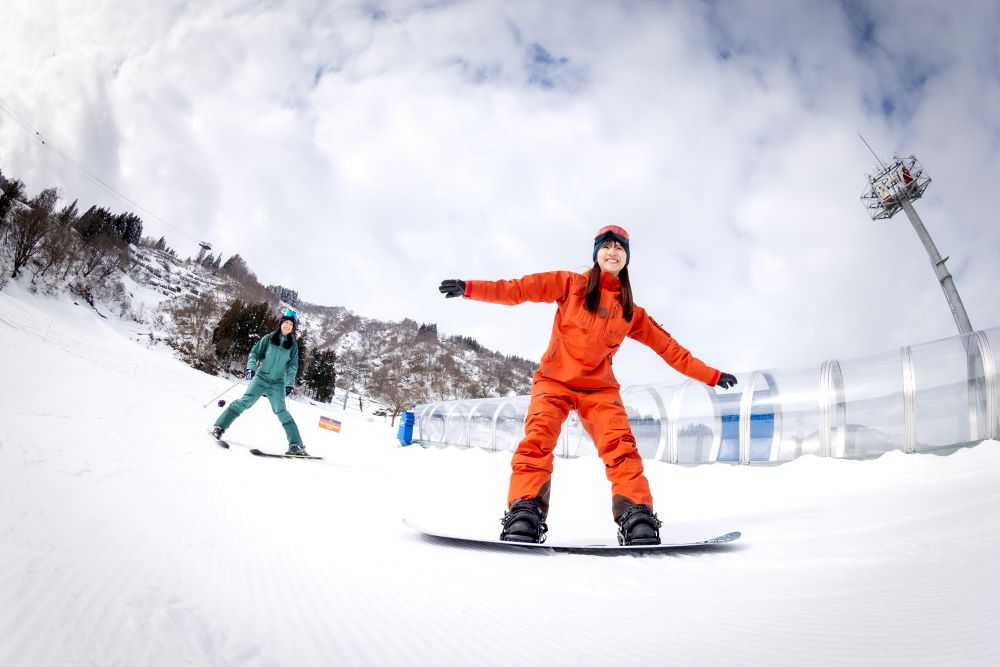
[360,152]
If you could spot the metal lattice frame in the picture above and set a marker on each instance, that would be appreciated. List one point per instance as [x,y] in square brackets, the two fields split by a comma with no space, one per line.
[903,180]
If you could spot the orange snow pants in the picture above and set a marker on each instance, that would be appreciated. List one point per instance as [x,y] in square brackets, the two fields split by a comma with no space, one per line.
[603,416]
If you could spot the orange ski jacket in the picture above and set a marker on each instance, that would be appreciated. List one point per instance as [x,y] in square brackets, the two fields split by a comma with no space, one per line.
[582,343]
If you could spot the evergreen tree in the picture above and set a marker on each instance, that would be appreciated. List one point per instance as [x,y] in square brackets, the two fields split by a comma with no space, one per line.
[237,268]
[289,296]
[13,191]
[304,344]
[239,329]
[68,215]
[99,220]
[94,222]
[322,374]
[129,227]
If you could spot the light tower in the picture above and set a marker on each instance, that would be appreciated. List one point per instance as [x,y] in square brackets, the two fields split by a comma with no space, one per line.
[893,188]
[203,248]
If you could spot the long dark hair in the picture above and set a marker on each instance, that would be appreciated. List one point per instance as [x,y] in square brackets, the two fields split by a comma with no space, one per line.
[276,334]
[593,295]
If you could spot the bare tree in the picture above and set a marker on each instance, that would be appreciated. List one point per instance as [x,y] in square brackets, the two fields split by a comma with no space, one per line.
[58,249]
[28,227]
[102,255]
[117,258]
[60,245]
[397,387]
[193,316]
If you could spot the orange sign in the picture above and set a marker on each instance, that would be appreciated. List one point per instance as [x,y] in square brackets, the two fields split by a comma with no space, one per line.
[329,424]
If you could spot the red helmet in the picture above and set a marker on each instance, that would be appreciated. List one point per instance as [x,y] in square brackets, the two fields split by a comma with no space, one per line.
[611,233]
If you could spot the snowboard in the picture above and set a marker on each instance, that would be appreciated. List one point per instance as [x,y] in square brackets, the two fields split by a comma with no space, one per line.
[257,452]
[218,441]
[600,544]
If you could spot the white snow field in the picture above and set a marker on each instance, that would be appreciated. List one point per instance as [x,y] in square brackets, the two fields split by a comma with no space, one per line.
[127,537]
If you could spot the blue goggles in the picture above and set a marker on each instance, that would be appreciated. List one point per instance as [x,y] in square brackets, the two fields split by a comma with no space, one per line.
[290,313]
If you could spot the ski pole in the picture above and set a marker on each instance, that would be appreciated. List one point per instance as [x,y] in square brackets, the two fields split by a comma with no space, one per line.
[225,391]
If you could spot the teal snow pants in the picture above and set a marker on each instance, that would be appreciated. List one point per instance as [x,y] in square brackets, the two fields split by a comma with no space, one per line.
[275,392]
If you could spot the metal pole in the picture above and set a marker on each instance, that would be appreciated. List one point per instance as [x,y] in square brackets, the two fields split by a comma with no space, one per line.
[225,391]
[944,277]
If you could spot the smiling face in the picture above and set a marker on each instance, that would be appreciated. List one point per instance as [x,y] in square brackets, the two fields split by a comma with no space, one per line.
[611,257]
[286,327]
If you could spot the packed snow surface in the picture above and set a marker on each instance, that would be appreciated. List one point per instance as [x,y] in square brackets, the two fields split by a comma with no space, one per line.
[127,537]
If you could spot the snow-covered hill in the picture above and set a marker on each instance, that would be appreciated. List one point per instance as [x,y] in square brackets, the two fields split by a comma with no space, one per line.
[179,303]
[127,537]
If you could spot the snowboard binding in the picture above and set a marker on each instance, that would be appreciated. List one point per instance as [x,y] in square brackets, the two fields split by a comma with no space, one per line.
[524,522]
[638,526]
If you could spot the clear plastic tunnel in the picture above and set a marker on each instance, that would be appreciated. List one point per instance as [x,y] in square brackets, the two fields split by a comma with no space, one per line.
[934,396]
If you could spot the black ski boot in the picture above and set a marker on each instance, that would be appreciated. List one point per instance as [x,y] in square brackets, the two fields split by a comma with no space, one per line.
[296,450]
[638,525]
[524,522]
[217,431]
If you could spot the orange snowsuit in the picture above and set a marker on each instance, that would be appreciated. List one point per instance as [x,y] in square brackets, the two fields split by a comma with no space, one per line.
[575,374]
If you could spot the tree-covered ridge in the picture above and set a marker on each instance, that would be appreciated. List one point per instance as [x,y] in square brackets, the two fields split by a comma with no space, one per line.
[58,243]
[213,311]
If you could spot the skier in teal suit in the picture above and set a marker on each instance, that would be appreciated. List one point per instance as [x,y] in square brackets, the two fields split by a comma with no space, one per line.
[271,368]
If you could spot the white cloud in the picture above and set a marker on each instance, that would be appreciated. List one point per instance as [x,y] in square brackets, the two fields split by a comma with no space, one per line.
[359,154]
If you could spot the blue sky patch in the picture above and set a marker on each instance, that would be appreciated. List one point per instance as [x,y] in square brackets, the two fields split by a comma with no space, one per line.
[549,72]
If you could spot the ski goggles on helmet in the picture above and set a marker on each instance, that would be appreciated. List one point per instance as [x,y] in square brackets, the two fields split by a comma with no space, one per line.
[612,232]
[290,313]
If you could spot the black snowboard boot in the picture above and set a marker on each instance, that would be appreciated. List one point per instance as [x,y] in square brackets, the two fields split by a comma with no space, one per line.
[217,431]
[524,522]
[638,525]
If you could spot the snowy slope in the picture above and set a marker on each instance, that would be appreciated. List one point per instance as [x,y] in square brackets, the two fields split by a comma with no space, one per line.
[128,538]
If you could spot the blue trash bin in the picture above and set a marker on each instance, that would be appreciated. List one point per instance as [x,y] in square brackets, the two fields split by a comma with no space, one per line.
[405,434]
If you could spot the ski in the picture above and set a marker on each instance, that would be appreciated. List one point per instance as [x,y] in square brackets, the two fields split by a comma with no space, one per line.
[218,441]
[257,452]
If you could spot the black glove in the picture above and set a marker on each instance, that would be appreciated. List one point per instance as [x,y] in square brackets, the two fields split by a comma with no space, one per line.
[726,381]
[248,375]
[452,288]
[288,391]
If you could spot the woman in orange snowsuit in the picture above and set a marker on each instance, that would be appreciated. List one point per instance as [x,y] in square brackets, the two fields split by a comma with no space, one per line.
[594,314]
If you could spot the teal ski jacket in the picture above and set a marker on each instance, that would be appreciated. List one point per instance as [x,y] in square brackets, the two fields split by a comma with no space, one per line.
[275,358]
